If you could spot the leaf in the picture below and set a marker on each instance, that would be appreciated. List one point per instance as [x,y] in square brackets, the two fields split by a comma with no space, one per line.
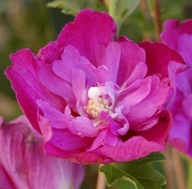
[113,174]
[139,173]
[73,7]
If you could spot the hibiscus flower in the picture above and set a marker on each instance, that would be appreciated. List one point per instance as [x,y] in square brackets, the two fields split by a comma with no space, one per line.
[94,97]
[179,37]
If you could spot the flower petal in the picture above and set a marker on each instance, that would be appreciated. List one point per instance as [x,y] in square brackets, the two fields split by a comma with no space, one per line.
[134,148]
[85,32]
[23,162]
[131,55]
[25,83]
[158,57]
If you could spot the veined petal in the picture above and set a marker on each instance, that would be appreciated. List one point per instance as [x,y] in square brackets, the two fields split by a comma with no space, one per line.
[134,148]
[23,162]
[25,83]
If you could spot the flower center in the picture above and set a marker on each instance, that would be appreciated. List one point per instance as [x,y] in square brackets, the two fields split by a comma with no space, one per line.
[97,103]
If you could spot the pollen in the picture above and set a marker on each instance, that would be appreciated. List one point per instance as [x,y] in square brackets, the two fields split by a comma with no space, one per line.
[96,103]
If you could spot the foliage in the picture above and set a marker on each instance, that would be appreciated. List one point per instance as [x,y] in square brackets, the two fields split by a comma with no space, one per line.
[139,174]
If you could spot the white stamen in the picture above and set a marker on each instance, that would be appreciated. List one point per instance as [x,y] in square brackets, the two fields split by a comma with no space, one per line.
[96,103]
[94,92]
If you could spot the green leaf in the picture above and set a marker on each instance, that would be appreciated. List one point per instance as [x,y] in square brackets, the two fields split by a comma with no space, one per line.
[73,7]
[113,174]
[139,174]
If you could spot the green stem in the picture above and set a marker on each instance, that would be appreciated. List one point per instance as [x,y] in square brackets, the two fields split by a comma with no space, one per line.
[112,8]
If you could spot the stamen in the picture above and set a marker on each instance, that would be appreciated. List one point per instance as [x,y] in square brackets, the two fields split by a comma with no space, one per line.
[96,103]
[94,92]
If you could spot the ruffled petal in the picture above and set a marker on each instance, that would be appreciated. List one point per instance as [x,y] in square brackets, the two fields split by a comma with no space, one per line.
[89,30]
[136,147]
[23,76]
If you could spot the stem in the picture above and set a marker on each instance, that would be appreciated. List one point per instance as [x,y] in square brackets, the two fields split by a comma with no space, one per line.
[157,19]
[100,179]
[156,16]
[168,170]
[112,8]
[179,172]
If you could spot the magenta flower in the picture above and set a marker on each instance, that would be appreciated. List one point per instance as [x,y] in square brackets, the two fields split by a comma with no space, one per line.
[23,163]
[179,37]
[96,98]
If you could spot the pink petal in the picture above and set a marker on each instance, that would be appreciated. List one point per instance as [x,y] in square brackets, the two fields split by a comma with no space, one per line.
[180,134]
[158,57]
[131,55]
[70,59]
[23,163]
[158,96]
[79,84]
[89,29]
[55,84]
[80,126]
[52,51]
[187,106]
[134,148]
[110,57]
[25,83]
[184,46]
[135,93]
[159,131]
[173,30]
[83,127]
[56,118]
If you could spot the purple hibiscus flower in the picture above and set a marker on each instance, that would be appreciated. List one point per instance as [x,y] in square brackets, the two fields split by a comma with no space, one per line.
[23,163]
[96,98]
[179,37]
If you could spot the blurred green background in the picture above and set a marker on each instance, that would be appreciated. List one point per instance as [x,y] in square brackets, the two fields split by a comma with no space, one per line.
[31,24]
